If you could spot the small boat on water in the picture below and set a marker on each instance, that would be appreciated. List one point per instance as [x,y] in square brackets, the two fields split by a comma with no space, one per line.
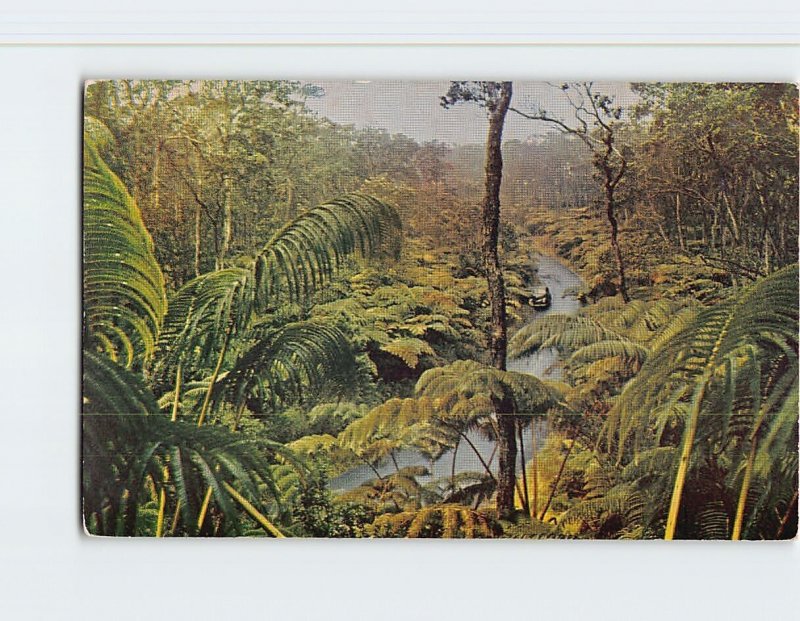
[540,297]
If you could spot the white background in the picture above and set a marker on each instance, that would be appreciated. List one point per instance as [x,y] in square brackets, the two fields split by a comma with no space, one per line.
[49,569]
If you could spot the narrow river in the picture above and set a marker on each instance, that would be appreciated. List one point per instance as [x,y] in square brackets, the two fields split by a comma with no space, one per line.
[563,284]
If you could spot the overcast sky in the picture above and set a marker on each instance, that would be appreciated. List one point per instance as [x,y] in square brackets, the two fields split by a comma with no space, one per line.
[412,108]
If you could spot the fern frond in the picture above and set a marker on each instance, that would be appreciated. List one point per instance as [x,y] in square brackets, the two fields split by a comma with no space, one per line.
[109,388]
[764,316]
[409,350]
[450,521]
[300,258]
[123,452]
[124,300]
[287,363]
[626,350]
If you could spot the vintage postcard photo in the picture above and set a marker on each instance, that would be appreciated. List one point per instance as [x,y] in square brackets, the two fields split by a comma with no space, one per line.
[440,309]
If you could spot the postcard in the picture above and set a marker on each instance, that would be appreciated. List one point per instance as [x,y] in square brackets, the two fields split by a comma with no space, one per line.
[440,309]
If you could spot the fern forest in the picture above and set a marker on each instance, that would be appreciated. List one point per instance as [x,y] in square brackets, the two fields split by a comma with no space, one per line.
[440,309]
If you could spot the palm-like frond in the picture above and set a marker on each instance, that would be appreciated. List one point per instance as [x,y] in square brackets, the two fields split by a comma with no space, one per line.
[698,350]
[326,449]
[300,258]
[109,388]
[466,390]
[122,453]
[202,317]
[396,424]
[124,300]
[409,350]
[605,345]
[566,332]
[399,491]
[128,448]
[609,514]
[289,362]
[446,521]
[627,350]
[332,418]
[465,488]
[712,357]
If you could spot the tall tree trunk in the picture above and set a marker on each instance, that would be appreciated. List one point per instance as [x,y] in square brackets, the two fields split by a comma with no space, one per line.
[291,213]
[156,173]
[506,461]
[612,220]
[679,222]
[198,230]
[612,178]
[490,226]
[198,214]
[227,224]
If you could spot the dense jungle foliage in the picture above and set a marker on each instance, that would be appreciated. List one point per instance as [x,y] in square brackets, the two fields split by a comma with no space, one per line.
[272,300]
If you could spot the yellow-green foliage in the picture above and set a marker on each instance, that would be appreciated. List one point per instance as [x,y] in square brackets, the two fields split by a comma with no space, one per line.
[466,390]
[396,424]
[444,521]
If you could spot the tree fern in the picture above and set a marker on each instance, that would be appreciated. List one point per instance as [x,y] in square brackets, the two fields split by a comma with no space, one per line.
[608,333]
[394,425]
[608,514]
[695,363]
[463,383]
[122,452]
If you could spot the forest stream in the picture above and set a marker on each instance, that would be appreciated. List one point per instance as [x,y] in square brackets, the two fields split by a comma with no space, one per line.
[564,285]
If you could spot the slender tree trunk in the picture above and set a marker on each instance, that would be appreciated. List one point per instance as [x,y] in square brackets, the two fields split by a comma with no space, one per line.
[207,399]
[162,502]
[453,465]
[738,521]
[490,221]
[475,450]
[534,471]
[775,392]
[490,227]
[690,432]
[177,400]
[525,494]
[506,460]
[679,222]
[155,183]
[767,264]
[612,221]
[732,221]
[252,511]
[714,223]
[198,217]
[197,235]
[227,224]
[290,210]
[683,464]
